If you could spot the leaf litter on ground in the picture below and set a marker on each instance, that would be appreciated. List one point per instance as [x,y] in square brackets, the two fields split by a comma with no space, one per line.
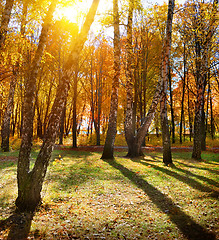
[87,198]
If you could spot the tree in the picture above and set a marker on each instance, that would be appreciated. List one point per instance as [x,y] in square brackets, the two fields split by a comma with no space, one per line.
[183,92]
[6,16]
[30,182]
[171,106]
[203,32]
[129,116]
[5,131]
[134,140]
[112,125]
[167,157]
[23,170]
[75,93]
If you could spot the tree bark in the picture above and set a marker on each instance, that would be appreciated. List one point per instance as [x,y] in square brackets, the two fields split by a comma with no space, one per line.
[199,104]
[39,121]
[183,95]
[14,120]
[196,153]
[62,125]
[75,92]
[203,130]
[189,114]
[112,126]
[5,131]
[212,117]
[6,16]
[129,126]
[99,104]
[171,106]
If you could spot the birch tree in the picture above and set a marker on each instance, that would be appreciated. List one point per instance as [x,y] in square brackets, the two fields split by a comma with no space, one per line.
[134,140]
[6,16]
[167,157]
[204,30]
[30,182]
[5,132]
[112,126]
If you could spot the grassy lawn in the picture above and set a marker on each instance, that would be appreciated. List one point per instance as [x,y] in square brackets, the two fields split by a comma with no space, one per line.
[88,198]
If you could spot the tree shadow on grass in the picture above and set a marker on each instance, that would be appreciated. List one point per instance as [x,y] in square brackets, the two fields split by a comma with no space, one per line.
[188,227]
[204,179]
[79,173]
[8,162]
[19,225]
[198,167]
[185,179]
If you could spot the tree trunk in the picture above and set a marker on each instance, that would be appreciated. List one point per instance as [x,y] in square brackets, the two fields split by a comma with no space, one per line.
[203,124]
[6,16]
[196,153]
[167,156]
[30,188]
[74,125]
[129,127]
[199,104]
[30,182]
[171,106]
[99,104]
[190,118]
[67,121]
[48,103]
[93,120]
[183,93]
[39,121]
[62,125]
[142,131]
[212,117]
[23,174]
[5,132]
[203,130]
[111,131]
[24,16]
[135,141]
[14,120]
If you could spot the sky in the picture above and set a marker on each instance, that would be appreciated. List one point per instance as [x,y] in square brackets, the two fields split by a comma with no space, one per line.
[159,1]
[75,13]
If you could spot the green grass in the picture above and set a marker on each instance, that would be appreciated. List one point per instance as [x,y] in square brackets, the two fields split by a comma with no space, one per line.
[88,198]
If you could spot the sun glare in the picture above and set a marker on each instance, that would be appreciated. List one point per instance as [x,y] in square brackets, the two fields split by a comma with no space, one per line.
[76,13]
[71,13]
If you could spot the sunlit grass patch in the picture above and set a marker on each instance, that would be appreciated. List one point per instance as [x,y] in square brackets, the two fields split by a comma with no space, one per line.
[8,187]
[86,197]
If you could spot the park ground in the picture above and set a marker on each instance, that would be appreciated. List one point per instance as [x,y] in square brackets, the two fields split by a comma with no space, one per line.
[85,197]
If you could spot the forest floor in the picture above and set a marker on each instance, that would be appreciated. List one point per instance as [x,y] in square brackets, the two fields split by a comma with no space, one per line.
[95,148]
[85,197]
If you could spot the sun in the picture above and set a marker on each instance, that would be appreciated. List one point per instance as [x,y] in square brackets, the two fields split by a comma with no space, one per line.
[74,13]
[69,13]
